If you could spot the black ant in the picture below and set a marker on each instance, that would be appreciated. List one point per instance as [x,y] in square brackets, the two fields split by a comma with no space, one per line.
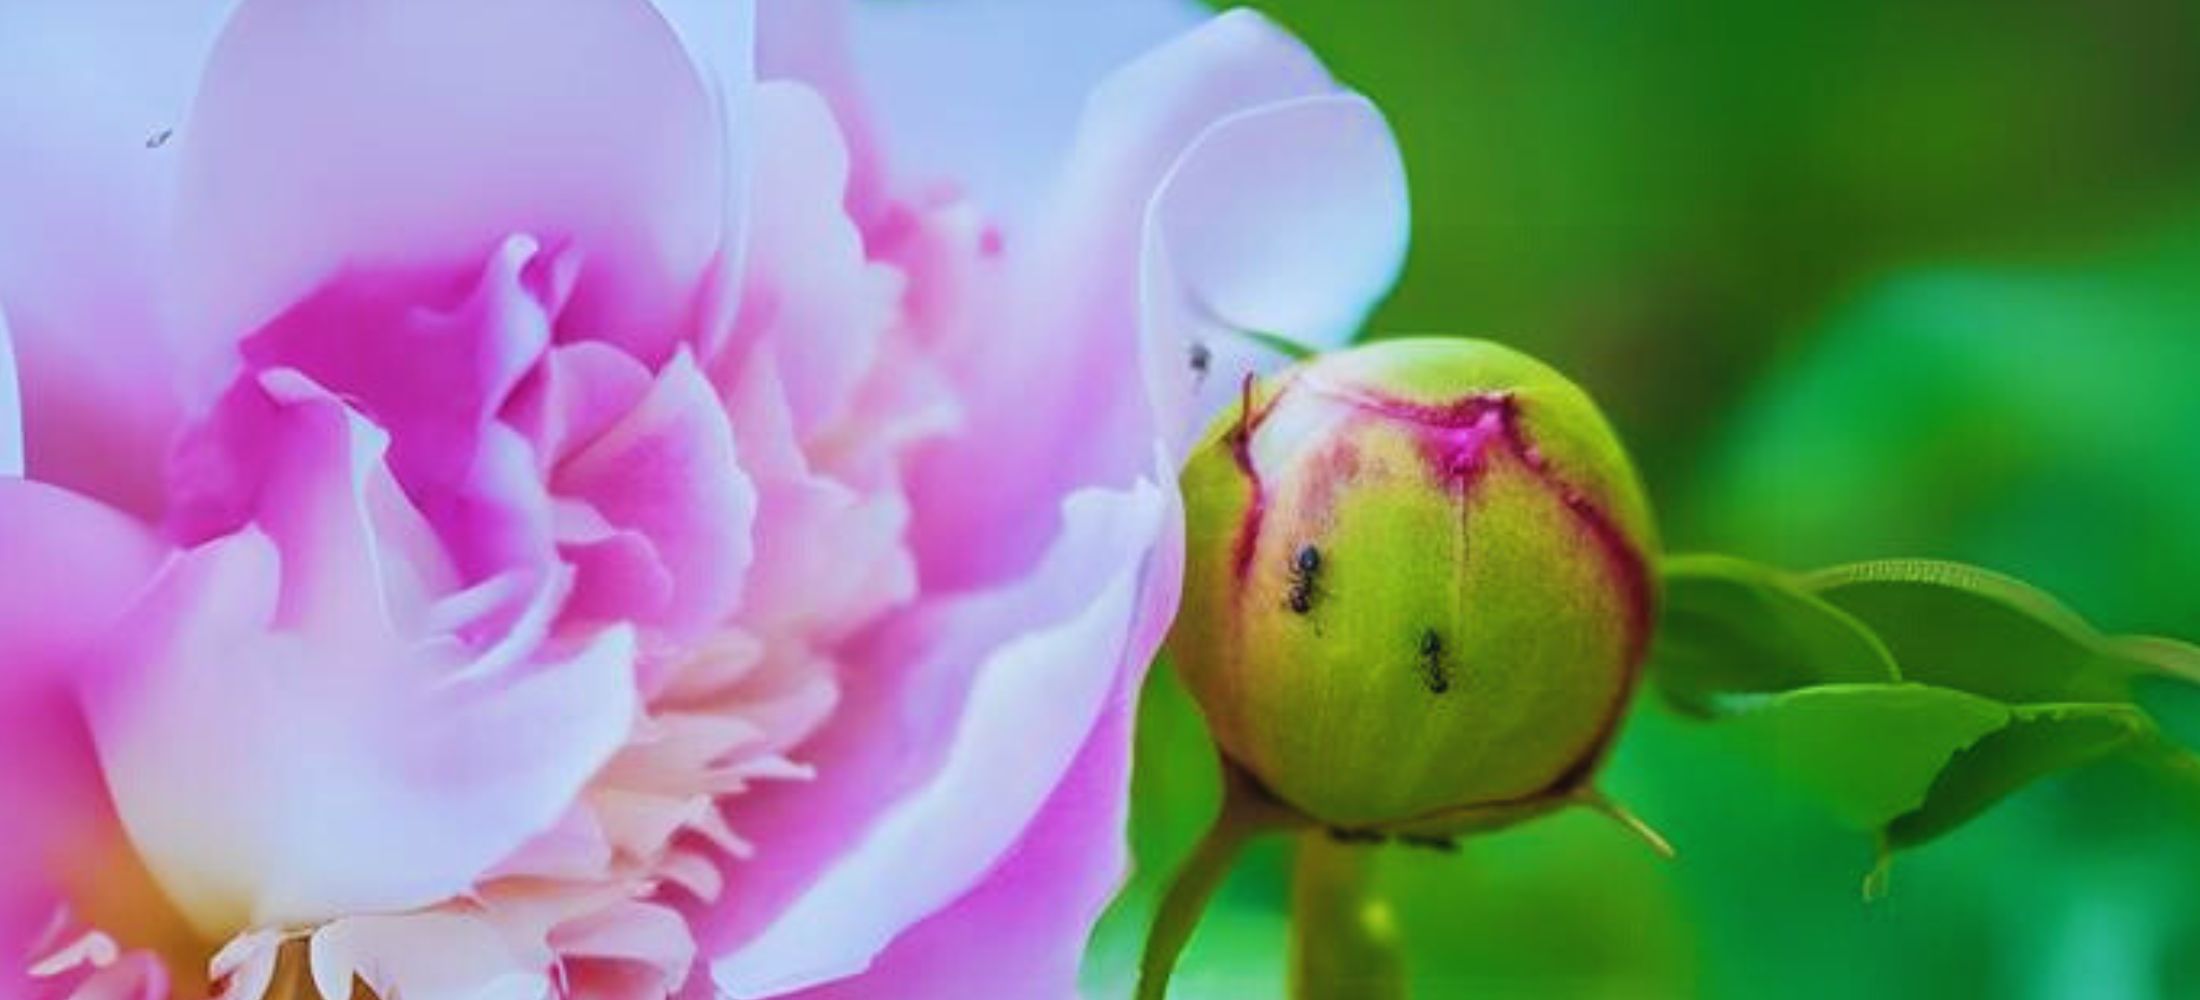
[1305,568]
[1433,673]
[1202,357]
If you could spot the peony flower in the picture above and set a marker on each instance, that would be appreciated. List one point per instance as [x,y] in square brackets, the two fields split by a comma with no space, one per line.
[612,499]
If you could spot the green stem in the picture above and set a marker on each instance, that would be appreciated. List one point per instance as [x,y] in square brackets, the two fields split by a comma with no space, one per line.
[1246,811]
[1344,940]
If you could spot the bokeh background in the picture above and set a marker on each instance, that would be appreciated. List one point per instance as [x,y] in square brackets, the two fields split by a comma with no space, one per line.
[1854,279]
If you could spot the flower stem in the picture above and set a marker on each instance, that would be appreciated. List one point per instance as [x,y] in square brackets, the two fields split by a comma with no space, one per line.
[1344,940]
[1246,812]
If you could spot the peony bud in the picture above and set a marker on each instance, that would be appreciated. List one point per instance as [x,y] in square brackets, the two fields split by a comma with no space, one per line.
[1418,587]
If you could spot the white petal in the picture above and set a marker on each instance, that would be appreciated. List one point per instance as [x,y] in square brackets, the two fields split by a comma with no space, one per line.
[1288,219]
[92,96]
[985,94]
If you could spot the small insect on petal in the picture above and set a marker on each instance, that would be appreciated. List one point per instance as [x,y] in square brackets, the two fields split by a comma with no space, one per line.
[1201,358]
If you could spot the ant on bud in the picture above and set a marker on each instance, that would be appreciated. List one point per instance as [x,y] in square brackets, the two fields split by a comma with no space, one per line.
[1433,673]
[1305,568]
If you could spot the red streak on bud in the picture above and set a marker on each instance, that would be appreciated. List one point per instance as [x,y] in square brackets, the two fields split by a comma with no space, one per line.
[1456,438]
[1241,451]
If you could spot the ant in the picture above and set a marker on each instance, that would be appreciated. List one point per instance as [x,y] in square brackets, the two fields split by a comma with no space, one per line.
[1305,567]
[1201,358]
[1433,673]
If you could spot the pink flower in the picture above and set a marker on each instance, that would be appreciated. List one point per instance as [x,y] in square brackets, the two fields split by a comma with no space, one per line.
[520,498]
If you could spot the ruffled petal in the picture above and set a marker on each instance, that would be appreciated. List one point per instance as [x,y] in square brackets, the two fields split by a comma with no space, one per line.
[1032,669]
[810,294]
[345,762]
[830,557]
[666,478]
[377,134]
[430,356]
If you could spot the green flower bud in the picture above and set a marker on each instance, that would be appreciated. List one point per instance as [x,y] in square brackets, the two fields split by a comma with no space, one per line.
[1418,587]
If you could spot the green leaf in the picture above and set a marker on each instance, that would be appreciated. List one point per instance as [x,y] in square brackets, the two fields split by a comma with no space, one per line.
[1966,628]
[2039,740]
[1729,626]
[1869,752]
[1909,696]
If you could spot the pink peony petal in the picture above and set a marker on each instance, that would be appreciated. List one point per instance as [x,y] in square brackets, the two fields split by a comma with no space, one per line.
[279,660]
[810,294]
[806,42]
[433,356]
[1036,664]
[427,359]
[1022,931]
[578,393]
[283,453]
[721,39]
[627,951]
[798,584]
[333,134]
[11,406]
[73,567]
[667,472]
[92,98]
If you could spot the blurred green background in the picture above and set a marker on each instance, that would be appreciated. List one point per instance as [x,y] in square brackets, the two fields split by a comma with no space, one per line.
[1853,279]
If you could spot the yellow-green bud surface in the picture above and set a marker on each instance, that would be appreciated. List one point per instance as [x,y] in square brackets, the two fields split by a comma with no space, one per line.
[1418,585]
